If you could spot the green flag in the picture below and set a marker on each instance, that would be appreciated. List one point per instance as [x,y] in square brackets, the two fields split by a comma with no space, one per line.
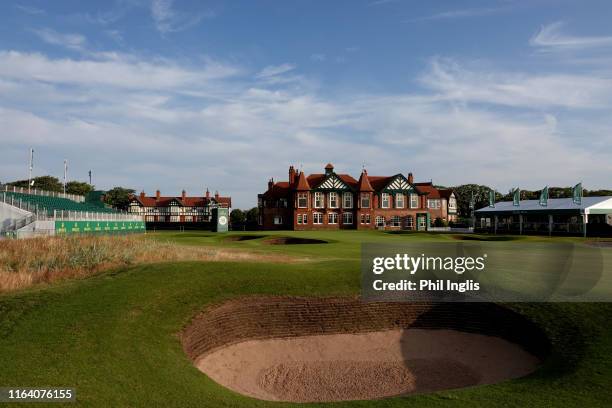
[516,197]
[577,194]
[492,198]
[544,197]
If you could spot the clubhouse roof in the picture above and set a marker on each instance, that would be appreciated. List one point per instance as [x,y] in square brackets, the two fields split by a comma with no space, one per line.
[589,205]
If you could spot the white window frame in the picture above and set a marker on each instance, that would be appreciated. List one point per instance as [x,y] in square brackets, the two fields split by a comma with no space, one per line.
[385,197]
[317,218]
[278,220]
[365,219]
[347,200]
[347,218]
[414,200]
[403,200]
[332,196]
[365,196]
[304,219]
[433,203]
[304,197]
[410,222]
[395,221]
[452,203]
[334,216]
[380,221]
[299,219]
[319,198]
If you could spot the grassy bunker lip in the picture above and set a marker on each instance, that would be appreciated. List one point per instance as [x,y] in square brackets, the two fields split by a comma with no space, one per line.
[328,349]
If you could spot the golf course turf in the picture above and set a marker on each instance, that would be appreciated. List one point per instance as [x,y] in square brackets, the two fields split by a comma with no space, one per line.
[115,337]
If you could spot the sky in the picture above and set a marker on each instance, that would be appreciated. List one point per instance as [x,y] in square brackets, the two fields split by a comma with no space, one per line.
[173,95]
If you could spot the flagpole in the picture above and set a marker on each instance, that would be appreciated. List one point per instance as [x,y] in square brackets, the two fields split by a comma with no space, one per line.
[31,167]
[65,173]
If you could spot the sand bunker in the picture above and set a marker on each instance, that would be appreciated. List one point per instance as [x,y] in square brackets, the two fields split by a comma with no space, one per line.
[335,349]
[294,241]
[243,237]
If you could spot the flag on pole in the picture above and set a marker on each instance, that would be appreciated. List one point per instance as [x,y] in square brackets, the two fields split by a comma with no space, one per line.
[544,197]
[516,197]
[472,203]
[492,198]
[577,194]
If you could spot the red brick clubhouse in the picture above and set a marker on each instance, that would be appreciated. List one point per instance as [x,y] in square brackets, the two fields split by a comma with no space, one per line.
[331,201]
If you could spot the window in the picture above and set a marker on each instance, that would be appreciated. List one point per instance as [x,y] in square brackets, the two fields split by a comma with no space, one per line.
[282,203]
[175,218]
[305,219]
[384,200]
[347,218]
[399,200]
[332,218]
[302,200]
[278,220]
[347,201]
[414,201]
[452,203]
[365,200]
[317,218]
[333,200]
[395,221]
[433,203]
[299,219]
[409,222]
[318,200]
[380,221]
[365,218]
[422,222]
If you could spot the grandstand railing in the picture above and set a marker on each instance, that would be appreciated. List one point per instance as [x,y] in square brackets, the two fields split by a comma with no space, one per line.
[34,191]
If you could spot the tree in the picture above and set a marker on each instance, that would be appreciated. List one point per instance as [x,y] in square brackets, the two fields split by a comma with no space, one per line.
[464,193]
[237,218]
[78,188]
[118,197]
[252,217]
[47,183]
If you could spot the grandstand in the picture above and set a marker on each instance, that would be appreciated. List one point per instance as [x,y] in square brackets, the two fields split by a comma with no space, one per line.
[34,213]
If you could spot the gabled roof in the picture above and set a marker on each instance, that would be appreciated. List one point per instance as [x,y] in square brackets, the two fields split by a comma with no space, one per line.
[429,189]
[164,201]
[446,192]
[316,180]
[364,183]
[278,190]
[302,184]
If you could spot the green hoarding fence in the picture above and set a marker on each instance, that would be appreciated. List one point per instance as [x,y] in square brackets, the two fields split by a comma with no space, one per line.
[98,227]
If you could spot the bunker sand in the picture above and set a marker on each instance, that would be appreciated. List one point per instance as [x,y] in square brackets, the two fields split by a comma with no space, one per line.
[372,365]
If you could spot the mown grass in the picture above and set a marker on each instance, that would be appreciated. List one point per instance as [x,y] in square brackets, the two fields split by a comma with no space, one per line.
[114,336]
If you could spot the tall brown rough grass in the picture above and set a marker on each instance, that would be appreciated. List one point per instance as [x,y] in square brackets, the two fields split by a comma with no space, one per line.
[27,262]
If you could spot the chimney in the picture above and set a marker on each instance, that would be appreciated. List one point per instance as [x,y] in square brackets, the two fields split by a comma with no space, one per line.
[183,194]
[157,195]
[410,178]
[291,175]
[270,184]
[142,194]
[216,196]
[207,194]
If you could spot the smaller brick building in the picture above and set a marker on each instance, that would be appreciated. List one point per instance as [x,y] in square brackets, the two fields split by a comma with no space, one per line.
[331,200]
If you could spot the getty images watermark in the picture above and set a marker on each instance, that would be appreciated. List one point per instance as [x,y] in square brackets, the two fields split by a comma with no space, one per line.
[486,271]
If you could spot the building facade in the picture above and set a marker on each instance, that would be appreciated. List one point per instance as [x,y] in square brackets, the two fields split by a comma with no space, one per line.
[181,209]
[331,200]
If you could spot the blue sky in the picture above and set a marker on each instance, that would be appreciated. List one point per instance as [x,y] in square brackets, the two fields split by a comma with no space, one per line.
[194,94]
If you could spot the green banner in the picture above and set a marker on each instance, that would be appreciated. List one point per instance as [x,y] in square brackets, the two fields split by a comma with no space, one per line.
[98,227]
[516,197]
[577,194]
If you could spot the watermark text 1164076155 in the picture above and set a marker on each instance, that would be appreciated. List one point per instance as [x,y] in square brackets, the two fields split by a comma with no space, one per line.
[37,394]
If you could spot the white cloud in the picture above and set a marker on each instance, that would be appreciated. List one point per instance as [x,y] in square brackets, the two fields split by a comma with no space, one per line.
[464,13]
[551,37]
[576,91]
[275,70]
[29,9]
[168,20]
[151,123]
[70,40]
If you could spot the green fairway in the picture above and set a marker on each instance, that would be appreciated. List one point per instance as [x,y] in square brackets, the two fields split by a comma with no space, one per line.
[114,336]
